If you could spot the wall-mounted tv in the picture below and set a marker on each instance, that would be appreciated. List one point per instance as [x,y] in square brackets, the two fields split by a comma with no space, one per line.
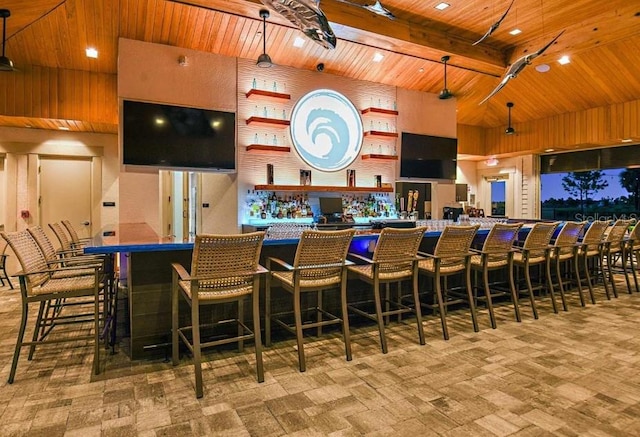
[428,157]
[178,137]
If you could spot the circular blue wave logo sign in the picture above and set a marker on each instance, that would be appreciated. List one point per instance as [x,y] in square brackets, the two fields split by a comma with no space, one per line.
[326,130]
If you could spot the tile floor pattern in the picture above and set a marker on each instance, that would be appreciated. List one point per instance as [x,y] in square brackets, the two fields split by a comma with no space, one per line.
[572,374]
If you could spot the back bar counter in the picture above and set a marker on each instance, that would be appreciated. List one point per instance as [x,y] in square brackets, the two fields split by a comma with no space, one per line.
[145,271]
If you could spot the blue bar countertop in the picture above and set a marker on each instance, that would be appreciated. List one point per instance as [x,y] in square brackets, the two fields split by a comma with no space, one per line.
[140,237]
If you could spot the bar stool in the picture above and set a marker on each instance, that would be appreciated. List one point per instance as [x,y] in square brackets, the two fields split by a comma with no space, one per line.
[37,285]
[565,251]
[3,268]
[451,256]
[591,248]
[614,243]
[497,254]
[66,246]
[394,260]
[632,249]
[535,252]
[319,265]
[224,269]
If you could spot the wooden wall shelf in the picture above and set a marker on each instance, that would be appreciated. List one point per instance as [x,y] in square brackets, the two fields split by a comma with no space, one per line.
[380,112]
[264,121]
[323,188]
[381,157]
[381,134]
[267,95]
[268,148]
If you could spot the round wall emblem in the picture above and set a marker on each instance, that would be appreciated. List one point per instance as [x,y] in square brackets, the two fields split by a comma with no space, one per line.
[326,130]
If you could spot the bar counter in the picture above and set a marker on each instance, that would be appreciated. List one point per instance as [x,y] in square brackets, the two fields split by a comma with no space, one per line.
[145,272]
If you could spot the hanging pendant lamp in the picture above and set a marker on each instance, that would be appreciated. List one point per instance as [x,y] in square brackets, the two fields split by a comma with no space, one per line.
[6,64]
[264,60]
[509,130]
[445,93]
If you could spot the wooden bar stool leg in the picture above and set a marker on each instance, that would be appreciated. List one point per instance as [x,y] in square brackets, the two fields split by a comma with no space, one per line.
[416,304]
[514,294]
[297,312]
[267,310]
[345,317]
[378,304]
[441,306]
[255,301]
[195,332]
[487,293]
[527,276]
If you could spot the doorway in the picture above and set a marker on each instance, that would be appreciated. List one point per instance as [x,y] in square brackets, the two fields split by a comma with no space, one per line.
[179,193]
[64,186]
[498,198]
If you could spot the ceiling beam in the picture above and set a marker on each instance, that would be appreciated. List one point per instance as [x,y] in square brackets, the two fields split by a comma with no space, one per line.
[363,27]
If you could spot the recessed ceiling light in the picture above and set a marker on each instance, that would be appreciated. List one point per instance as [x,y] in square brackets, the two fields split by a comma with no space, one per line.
[549,150]
[442,6]
[564,60]
[159,120]
[63,128]
[378,57]
[515,32]
[543,68]
[91,53]
[626,140]
[421,70]
[298,42]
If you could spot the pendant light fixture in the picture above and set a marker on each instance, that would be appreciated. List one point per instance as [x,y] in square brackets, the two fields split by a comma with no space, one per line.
[264,60]
[6,64]
[509,130]
[445,93]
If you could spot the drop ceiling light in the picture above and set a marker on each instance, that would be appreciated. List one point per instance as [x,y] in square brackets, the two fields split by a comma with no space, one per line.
[515,32]
[377,57]
[442,6]
[91,53]
[6,64]
[509,130]
[298,42]
[264,60]
[564,60]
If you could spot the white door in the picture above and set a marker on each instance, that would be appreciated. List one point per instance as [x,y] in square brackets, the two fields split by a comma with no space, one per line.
[65,193]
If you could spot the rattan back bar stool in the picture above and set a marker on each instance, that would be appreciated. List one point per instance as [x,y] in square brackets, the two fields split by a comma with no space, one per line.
[633,253]
[319,265]
[451,256]
[394,261]
[565,251]
[536,252]
[37,285]
[497,254]
[591,249]
[613,249]
[224,269]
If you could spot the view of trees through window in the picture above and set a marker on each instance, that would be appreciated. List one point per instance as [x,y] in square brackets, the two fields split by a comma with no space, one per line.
[591,195]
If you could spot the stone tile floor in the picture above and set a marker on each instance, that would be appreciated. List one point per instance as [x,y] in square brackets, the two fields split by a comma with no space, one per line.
[569,374]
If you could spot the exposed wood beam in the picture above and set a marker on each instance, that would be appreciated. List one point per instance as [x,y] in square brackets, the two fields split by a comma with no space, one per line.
[363,27]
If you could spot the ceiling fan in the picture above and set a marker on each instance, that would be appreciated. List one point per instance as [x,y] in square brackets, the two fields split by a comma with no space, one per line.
[6,64]
[445,93]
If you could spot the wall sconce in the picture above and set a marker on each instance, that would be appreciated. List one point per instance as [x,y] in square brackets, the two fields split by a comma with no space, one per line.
[491,162]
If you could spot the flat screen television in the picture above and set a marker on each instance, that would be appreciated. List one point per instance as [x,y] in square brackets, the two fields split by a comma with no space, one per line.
[330,205]
[428,157]
[178,137]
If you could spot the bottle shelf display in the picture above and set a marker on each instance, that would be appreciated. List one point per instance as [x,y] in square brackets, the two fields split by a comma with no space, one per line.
[255,94]
[379,112]
[272,205]
[268,148]
[380,134]
[265,121]
[323,188]
[380,157]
